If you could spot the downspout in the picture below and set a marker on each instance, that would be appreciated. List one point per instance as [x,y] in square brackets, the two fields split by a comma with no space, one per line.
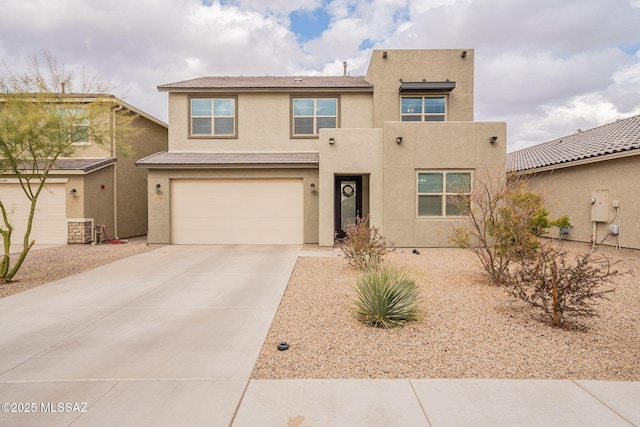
[115,170]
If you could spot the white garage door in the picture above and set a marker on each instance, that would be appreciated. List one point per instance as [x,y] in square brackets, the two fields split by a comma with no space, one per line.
[236,211]
[49,224]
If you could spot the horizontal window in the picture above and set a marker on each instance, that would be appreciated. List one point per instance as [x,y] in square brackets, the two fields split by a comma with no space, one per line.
[213,117]
[442,194]
[423,108]
[312,114]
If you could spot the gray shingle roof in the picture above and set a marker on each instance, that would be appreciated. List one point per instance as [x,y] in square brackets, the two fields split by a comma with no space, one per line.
[270,82]
[274,159]
[621,135]
[84,165]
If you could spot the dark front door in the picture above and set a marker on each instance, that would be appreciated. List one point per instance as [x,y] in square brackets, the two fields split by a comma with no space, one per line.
[348,202]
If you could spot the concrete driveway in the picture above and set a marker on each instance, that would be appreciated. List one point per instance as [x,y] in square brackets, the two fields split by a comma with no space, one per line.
[164,338]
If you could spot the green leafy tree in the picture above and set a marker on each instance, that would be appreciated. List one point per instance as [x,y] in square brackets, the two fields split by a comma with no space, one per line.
[44,112]
[504,220]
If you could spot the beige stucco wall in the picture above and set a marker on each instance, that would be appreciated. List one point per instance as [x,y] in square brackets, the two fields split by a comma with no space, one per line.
[264,121]
[160,202]
[131,196]
[415,66]
[98,201]
[567,192]
[438,146]
[354,152]
[75,202]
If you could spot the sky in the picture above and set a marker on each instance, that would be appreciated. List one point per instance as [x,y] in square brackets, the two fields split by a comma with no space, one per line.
[545,67]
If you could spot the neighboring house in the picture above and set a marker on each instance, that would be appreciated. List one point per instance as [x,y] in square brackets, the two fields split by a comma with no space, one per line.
[296,159]
[92,189]
[591,176]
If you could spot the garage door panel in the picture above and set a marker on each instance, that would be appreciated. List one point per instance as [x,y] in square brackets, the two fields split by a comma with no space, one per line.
[49,222]
[237,211]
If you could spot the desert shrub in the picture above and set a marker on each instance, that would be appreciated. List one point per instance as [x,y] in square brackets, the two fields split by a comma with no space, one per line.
[504,220]
[364,247]
[386,297]
[563,223]
[560,286]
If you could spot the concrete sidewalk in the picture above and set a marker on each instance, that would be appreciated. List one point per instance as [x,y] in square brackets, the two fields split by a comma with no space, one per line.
[439,403]
[170,337]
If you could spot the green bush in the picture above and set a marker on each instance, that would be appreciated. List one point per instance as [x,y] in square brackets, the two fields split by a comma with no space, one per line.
[503,222]
[364,247]
[386,297]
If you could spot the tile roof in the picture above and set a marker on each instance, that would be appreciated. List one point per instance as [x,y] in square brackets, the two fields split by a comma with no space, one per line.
[168,159]
[271,82]
[621,135]
[83,165]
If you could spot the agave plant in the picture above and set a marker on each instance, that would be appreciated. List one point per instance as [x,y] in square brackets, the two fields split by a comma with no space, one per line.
[386,297]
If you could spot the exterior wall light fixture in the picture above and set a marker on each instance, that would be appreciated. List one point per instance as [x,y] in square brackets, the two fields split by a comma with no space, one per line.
[73,191]
[493,139]
[463,54]
[313,186]
[399,139]
[158,186]
[332,141]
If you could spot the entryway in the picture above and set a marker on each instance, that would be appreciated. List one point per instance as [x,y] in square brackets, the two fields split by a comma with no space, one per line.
[351,201]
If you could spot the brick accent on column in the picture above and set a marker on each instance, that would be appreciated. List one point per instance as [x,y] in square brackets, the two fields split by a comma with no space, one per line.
[79,232]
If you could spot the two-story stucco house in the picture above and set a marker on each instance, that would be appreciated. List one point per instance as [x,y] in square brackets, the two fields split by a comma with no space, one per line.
[96,187]
[296,159]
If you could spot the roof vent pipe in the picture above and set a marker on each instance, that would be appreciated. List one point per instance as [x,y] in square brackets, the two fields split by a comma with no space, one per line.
[344,64]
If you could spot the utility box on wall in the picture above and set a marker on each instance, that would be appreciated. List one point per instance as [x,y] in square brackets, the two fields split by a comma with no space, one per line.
[600,206]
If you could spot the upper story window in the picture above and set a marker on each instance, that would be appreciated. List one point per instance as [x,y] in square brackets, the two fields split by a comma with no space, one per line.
[312,114]
[443,194]
[213,117]
[78,122]
[423,108]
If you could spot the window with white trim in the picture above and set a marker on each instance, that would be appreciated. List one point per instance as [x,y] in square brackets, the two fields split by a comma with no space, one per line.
[213,117]
[312,114]
[443,194]
[78,122]
[423,108]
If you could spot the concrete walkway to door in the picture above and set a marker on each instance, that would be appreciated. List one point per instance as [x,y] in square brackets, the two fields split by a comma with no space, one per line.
[168,337]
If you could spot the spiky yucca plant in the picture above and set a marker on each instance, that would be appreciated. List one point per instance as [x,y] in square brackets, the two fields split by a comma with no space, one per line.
[386,297]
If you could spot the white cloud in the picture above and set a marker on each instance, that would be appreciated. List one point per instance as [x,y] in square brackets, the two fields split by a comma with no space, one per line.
[543,66]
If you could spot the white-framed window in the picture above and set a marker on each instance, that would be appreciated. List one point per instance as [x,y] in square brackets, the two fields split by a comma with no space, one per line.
[312,114]
[215,117]
[443,193]
[78,121]
[423,108]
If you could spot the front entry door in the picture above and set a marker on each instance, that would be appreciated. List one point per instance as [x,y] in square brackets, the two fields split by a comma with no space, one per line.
[348,202]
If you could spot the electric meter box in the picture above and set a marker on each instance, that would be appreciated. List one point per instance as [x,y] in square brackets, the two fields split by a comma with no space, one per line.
[600,208]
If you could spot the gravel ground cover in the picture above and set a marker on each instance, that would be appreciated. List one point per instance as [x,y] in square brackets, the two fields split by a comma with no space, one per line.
[46,265]
[467,328]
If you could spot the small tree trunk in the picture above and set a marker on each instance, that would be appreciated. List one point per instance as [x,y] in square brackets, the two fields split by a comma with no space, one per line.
[554,272]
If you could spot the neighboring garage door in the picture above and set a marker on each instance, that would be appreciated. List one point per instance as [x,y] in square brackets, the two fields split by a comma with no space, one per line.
[50,220]
[236,211]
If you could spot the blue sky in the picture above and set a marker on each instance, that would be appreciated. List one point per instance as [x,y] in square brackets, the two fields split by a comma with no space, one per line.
[545,67]
[309,24]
